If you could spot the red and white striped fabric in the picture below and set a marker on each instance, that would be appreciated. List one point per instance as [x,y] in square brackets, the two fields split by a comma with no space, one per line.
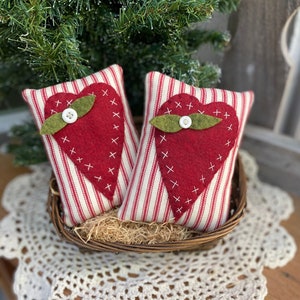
[92,175]
[150,195]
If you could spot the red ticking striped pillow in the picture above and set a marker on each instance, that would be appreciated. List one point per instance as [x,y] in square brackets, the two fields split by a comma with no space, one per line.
[186,157]
[90,140]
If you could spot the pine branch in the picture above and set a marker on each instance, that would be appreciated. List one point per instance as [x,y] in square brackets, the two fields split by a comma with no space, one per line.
[197,37]
[227,6]
[26,145]
[163,18]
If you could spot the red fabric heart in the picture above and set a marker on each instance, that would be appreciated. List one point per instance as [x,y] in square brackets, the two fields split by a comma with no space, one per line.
[94,142]
[189,159]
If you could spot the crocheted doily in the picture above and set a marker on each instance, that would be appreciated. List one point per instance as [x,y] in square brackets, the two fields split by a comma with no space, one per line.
[50,268]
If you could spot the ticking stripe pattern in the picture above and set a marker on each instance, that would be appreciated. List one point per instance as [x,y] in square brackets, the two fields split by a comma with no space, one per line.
[147,198]
[80,199]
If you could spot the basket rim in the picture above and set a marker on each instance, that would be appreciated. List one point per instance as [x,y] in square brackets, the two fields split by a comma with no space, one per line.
[204,241]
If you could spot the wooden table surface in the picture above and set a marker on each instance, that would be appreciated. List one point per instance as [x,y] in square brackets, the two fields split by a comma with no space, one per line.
[283,283]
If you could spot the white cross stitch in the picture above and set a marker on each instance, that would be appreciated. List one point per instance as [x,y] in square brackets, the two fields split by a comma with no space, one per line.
[65,139]
[190,106]
[179,210]
[229,128]
[57,103]
[113,102]
[112,154]
[115,141]
[226,115]
[69,102]
[108,186]
[111,170]
[216,112]
[212,167]
[98,178]
[116,114]
[163,138]
[202,179]
[195,190]
[228,143]
[178,104]
[175,183]
[89,166]
[170,169]
[165,154]
[177,199]
[168,111]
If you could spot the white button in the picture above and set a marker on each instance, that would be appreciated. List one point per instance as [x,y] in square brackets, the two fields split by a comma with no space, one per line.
[69,115]
[185,122]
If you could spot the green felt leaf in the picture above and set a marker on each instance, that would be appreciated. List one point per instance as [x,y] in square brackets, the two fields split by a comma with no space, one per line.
[83,105]
[166,123]
[170,123]
[53,124]
[202,121]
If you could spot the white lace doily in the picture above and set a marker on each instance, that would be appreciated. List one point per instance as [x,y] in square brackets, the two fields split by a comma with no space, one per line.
[53,269]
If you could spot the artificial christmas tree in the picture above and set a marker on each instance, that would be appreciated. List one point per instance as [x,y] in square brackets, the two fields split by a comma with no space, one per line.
[45,42]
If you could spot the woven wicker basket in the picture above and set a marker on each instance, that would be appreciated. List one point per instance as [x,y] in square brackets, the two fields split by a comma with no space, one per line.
[203,241]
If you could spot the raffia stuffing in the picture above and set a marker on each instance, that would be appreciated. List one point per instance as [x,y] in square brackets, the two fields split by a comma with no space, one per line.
[108,228]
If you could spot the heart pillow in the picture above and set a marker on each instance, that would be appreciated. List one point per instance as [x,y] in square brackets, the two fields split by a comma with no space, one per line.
[186,156]
[90,140]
